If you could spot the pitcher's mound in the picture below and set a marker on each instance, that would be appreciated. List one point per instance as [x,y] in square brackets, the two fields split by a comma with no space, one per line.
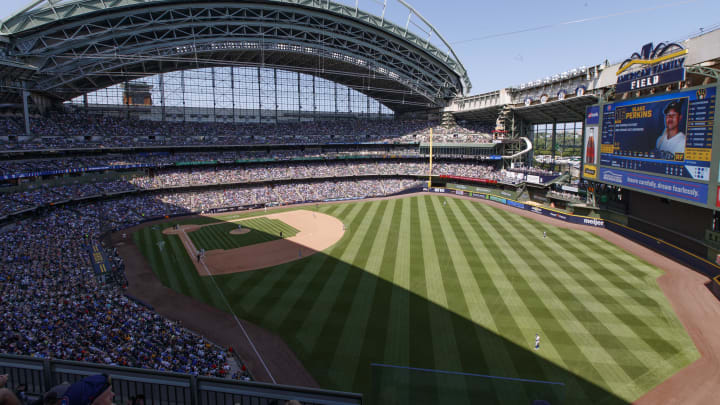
[239,231]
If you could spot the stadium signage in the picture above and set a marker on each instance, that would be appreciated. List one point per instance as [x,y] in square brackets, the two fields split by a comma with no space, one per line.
[575,219]
[74,170]
[652,66]
[593,115]
[516,204]
[593,222]
[533,178]
[474,180]
[683,190]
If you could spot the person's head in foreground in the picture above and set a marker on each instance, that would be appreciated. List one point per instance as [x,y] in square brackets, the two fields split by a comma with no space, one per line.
[92,390]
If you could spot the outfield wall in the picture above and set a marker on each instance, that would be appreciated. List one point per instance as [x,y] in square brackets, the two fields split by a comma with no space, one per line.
[715,286]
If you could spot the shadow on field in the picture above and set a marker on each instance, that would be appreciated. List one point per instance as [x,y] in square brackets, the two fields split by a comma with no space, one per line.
[339,319]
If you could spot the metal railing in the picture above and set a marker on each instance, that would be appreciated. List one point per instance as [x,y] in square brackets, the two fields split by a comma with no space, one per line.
[162,388]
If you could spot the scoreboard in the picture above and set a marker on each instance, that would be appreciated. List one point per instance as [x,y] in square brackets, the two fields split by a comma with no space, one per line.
[660,144]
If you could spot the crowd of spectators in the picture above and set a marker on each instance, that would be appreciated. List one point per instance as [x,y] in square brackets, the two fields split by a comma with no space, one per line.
[162,159]
[564,195]
[188,176]
[77,130]
[538,171]
[53,305]
[189,201]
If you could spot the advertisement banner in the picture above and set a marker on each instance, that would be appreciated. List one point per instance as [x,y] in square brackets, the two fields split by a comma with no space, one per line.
[677,189]
[472,179]
[592,115]
[497,199]
[591,145]
[470,188]
[73,170]
[98,259]
[515,204]
[531,178]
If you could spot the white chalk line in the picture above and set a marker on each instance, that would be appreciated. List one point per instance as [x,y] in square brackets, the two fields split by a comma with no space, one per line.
[227,303]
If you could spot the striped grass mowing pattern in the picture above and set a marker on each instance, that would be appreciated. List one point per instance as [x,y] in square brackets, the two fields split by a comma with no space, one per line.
[441,283]
[261,230]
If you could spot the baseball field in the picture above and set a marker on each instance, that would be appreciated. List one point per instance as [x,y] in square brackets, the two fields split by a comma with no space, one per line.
[449,292]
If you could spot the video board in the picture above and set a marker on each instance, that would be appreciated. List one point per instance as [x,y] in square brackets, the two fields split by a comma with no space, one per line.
[668,135]
[660,144]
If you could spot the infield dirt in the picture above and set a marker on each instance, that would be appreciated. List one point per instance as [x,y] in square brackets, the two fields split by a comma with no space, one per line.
[317,232]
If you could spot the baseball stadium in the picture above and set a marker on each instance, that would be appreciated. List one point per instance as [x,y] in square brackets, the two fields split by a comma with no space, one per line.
[276,202]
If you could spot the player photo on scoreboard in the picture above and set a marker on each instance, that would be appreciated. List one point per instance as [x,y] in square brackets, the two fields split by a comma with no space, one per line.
[592,145]
[654,129]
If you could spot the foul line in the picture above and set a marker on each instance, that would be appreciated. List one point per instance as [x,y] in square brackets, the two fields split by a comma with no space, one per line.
[232,312]
[429,370]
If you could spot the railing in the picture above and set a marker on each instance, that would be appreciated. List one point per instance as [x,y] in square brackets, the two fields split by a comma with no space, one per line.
[164,388]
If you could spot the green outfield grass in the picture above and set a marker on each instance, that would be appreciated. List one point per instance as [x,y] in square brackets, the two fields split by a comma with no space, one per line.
[459,287]
[261,230]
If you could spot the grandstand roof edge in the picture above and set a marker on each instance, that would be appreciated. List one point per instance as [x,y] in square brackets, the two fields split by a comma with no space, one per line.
[34,15]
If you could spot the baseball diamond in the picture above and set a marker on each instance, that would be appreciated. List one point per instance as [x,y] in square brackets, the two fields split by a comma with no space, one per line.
[450,284]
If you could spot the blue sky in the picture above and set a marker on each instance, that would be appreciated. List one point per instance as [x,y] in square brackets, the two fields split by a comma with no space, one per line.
[505,43]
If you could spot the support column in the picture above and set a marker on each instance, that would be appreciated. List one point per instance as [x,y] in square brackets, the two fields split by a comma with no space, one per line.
[314,102]
[276,94]
[367,106]
[128,99]
[182,89]
[162,97]
[553,144]
[299,97]
[232,90]
[212,75]
[336,105]
[259,96]
[26,110]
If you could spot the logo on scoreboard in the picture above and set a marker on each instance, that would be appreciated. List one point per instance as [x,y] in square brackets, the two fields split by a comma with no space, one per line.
[652,66]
